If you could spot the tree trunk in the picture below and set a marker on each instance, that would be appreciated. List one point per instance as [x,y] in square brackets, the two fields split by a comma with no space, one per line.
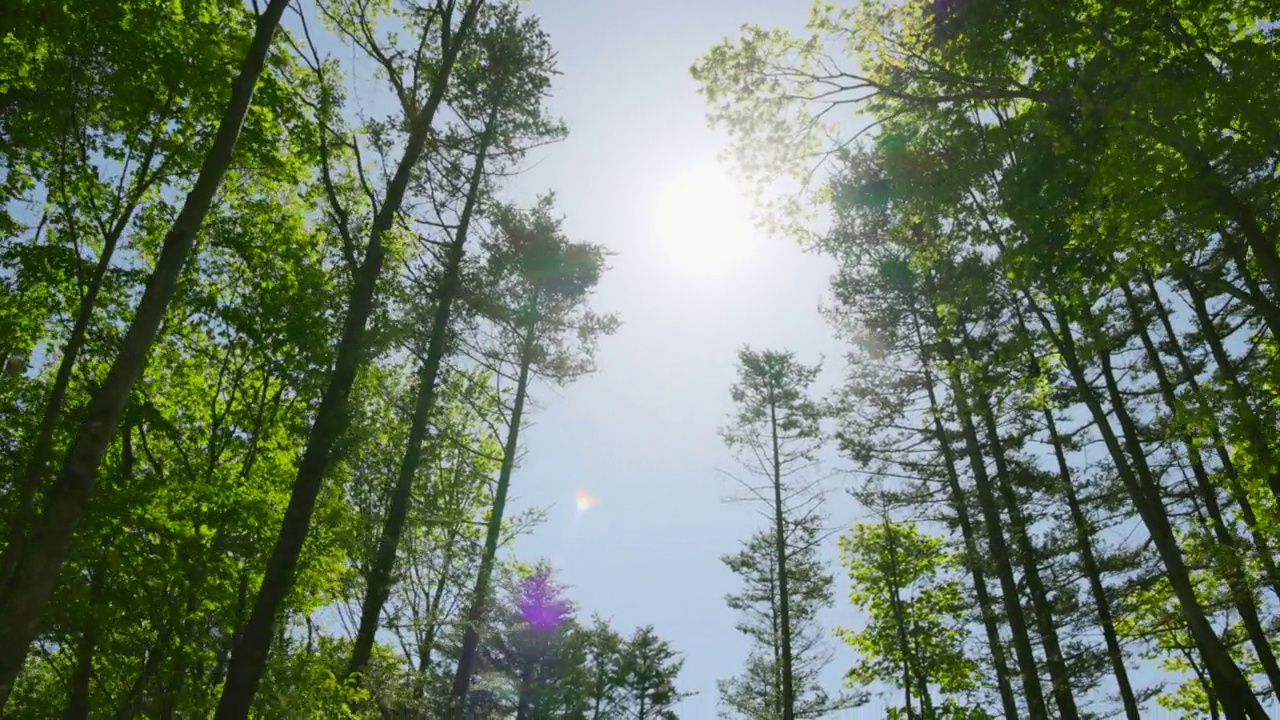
[780,548]
[1255,429]
[42,453]
[36,572]
[1145,495]
[1084,532]
[989,618]
[776,639]
[131,705]
[899,617]
[1027,665]
[526,696]
[1227,202]
[922,682]
[1257,299]
[379,582]
[1241,590]
[1084,535]
[1261,543]
[480,592]
[426,645]
[249,658]
[79,704]
[1040,606]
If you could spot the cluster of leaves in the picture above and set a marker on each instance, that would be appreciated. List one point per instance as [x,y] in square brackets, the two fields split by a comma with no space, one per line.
[1059,274]
[307,457]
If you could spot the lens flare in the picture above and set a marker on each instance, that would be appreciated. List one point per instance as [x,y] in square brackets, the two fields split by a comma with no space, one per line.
[584,500]
[540,602]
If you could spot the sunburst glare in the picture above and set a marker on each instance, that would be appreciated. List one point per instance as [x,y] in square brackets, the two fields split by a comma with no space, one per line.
[702,221]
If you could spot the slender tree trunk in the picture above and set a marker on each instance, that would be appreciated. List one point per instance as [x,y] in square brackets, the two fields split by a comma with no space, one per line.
[1089,564]
[1229,680]
[989,618]
[42,453]
[776,640]
[1255,430]
[379,582]
[479,594]
[36,572]
[1227,202]
[79,704]
[130,705]
[1084,532]
[1040,606]
[526,696]
[1204,681]
[922,682]
[599,693]
[780,548]
[1260,534]
[1145,495]
[1027,665]
[1241,588]
[899,617]
[427,643]
[1259,241]
[1257,298]
[249,658]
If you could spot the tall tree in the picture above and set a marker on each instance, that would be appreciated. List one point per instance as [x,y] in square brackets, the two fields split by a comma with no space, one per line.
[519,66]
[35,572]
[647,671]
[1003,162]
[269,473]
[775,432]
[249,657]
[757,691]
[535,288]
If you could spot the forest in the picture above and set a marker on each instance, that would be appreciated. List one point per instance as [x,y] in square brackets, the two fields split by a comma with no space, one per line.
[268,346]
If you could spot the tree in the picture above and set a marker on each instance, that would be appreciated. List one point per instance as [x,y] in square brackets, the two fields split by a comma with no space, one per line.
[30,583]
[647,670]
[316,432]
[599,674]
[757,692]
[152,591]
[915,637]
[512,102]
[1002,168]
[776,433]
[535,286]
[250,655]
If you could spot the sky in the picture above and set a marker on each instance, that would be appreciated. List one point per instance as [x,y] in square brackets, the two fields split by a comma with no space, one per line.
[693,282]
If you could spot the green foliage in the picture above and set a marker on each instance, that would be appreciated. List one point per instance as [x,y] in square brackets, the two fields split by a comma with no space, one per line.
[915,636]
[1057,266]
[534,288]
[107,111]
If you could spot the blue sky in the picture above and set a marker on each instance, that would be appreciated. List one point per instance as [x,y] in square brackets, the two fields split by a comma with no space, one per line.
[641,434]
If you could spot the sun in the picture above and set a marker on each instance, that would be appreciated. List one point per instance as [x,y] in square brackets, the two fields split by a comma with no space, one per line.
[702,221]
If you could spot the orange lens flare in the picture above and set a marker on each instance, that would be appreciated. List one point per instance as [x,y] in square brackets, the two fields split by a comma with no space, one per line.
[584,500]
